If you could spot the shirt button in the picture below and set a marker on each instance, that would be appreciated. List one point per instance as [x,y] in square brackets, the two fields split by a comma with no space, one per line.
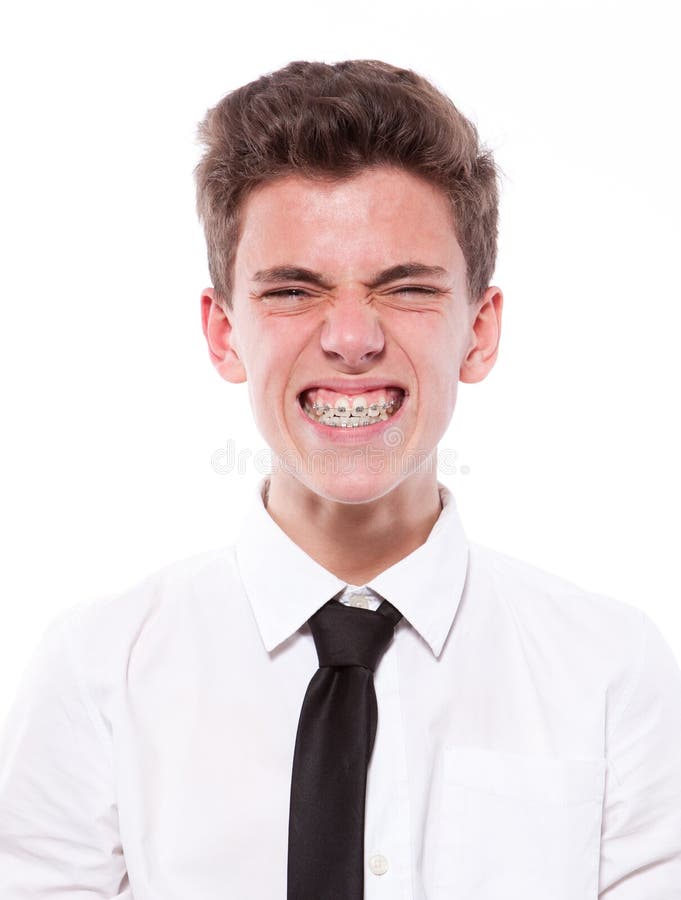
[378,864]
[360,601]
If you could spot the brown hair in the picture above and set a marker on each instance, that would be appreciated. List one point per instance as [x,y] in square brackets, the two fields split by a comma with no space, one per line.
[333,121]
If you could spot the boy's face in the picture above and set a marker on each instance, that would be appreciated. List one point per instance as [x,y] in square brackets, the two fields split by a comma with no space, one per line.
[349,327]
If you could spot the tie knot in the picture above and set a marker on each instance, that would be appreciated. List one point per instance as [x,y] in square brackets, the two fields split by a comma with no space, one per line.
[347,636]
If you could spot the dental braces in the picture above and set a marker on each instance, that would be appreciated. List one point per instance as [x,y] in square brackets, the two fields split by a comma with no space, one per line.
[325,408]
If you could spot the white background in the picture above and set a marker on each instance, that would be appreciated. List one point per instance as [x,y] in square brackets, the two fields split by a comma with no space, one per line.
[112,412]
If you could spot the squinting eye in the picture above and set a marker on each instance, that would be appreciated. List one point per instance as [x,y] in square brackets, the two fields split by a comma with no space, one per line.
[286,293]
[299,293]
[412,289]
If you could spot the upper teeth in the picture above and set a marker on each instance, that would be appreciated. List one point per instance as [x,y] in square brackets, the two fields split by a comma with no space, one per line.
[345,407]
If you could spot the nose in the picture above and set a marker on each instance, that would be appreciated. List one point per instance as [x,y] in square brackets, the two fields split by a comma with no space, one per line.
[352,333]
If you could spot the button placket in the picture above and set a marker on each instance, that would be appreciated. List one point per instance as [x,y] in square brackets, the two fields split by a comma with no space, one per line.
[387,845]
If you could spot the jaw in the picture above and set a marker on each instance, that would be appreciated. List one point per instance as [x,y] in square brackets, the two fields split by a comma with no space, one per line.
[357,479]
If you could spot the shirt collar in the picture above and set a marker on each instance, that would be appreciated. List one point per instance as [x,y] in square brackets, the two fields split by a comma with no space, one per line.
[285,586]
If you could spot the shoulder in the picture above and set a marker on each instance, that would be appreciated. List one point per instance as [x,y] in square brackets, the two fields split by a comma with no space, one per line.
[171,584]
[595,636]
[102,633]
[531,590]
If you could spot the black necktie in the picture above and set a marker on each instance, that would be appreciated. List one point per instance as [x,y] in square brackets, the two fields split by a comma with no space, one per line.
[335,738]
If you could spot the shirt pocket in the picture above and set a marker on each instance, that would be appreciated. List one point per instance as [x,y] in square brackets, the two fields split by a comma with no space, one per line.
[515,826]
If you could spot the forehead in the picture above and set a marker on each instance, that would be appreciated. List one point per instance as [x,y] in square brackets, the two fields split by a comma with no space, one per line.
[371,219]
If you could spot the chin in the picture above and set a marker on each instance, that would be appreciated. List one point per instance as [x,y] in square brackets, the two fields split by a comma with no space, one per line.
[354,487]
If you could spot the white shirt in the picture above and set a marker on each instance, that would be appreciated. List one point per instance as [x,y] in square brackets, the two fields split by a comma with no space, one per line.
[528,743]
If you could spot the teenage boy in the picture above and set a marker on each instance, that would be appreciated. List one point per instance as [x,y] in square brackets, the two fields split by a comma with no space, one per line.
[354,700]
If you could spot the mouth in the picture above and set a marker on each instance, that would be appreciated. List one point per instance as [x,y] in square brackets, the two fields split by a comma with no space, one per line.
[347,410]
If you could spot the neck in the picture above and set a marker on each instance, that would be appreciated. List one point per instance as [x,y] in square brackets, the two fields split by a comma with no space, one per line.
[356,541]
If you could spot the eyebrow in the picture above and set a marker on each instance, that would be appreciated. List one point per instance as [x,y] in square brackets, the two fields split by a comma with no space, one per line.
[298,273]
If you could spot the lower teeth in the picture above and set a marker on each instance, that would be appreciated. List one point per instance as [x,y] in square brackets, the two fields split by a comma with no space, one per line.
[347,423]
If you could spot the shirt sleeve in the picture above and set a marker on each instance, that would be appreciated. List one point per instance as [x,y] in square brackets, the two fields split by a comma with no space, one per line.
[641,830]
[58,815]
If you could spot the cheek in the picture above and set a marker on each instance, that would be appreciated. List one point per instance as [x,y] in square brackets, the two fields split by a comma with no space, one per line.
[273,355]
[438,373]
[435,347]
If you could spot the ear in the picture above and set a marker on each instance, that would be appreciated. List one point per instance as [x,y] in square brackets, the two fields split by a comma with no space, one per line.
[218,329]
[486,331]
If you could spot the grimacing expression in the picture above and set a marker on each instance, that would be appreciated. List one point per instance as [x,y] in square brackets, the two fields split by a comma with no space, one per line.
[352,325]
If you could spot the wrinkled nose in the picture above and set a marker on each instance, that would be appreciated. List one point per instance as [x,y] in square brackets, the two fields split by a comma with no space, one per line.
[352,333]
